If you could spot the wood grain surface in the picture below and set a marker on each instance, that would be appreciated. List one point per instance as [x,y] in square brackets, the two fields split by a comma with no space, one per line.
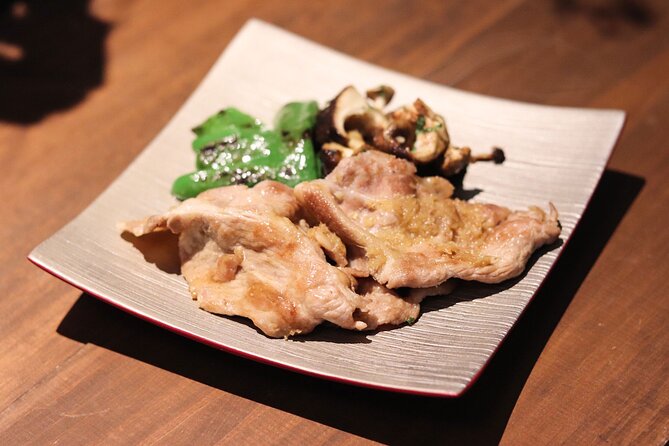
[84,86]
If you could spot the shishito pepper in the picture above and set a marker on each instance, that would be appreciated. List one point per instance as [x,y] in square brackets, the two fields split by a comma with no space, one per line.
[234,148]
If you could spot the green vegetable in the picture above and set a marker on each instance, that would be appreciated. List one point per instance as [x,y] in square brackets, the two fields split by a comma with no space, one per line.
[224,123]
[192,184]
[234,148]
[296,118]
[411,320]
[295,121]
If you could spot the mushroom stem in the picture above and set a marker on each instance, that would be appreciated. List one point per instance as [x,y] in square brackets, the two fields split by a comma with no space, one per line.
[496,155]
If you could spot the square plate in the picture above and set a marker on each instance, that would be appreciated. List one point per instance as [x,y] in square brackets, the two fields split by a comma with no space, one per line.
[553,154]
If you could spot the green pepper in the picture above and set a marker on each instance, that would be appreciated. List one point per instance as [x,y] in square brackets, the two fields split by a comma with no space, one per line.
[295,121]
[235,148]
[296,118]
[192,184]
[254,146]
[224,123]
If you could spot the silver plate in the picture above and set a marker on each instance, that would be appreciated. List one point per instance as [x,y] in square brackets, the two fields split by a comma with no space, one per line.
[553,154]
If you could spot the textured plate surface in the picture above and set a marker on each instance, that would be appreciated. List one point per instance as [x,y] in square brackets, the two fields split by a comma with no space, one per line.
[553,154]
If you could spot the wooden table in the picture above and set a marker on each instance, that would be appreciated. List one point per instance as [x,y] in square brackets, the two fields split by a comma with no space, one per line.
[83,88]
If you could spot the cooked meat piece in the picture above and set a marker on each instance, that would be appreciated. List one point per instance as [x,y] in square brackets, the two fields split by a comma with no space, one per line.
[332,245]
[271,197]
[242,254]
[250,251]
[383,306]
[406,231]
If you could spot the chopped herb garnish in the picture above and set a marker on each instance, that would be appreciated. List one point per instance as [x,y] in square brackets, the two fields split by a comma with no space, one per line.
[420,123]
[411,320]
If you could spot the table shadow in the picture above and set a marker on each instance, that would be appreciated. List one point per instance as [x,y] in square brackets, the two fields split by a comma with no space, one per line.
[480,416]
[51,55]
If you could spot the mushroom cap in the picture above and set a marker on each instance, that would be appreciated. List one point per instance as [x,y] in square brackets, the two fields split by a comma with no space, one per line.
[348,111]
[380,96]
[455,160]
[427,136]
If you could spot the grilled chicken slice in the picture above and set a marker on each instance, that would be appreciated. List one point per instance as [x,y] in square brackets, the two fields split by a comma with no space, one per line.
[407,231]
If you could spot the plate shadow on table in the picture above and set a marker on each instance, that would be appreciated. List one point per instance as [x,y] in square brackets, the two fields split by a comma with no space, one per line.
[51,55]
[478,417]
